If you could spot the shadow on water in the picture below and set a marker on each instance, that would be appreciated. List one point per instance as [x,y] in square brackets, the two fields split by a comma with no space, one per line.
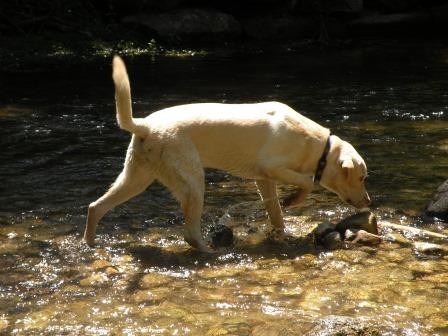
[289,247]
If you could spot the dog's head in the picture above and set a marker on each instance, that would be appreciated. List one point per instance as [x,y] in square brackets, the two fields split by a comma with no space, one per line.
[345,174]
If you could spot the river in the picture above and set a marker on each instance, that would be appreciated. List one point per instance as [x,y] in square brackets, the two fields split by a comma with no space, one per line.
[61,148]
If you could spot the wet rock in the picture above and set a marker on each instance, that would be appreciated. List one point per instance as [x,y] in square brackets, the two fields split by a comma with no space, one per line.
[438,207]
[220,272]
[364,237]
[430,248]
[345,326]
[110,271]
[95,280]
[323,229]
[233,326]
[154,280]
[332,240]
[4,324]
[100,263]
[220,236]
[437,278]
[392,23]
[268,329]
[152,296]
[398,238]
[365,220]
[187,24]
[349,235]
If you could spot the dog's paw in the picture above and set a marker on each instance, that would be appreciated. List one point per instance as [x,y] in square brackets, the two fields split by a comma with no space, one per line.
[90,242]
[277,234]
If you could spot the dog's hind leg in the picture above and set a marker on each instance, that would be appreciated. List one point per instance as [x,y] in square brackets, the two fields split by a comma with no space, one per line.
[268,193]
[183,175]
[132,181]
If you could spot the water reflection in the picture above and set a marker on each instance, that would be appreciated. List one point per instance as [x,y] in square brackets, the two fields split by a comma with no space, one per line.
[61,148]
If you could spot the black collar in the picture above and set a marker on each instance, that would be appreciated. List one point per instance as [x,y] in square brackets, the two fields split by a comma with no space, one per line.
[322,161]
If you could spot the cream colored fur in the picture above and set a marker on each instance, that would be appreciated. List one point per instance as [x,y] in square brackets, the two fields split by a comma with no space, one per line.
[267,142]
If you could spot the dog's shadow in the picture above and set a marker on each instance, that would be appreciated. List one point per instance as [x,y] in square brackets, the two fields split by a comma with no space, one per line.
[281,248]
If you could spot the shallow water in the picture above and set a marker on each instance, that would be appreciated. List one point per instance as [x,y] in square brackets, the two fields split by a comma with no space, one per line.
[61,148]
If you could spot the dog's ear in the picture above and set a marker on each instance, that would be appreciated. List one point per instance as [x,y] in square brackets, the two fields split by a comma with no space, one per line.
[347,163]
[347,166]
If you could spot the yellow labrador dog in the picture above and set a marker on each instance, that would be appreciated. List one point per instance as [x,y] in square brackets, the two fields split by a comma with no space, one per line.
[267,142]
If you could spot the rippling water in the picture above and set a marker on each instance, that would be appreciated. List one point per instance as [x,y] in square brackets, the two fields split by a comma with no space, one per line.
[60,148]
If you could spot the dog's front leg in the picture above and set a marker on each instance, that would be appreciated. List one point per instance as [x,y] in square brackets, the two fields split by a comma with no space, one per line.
[288,176]
[268,193]
[296,198]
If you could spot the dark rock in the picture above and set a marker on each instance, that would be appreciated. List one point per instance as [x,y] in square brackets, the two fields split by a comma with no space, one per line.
[343,6]
[365,220]
[388,6]
[332,240]
[390,23]
[323,229]
[284,27]
[329,6]
[220,236]
[438,207]
[189,23]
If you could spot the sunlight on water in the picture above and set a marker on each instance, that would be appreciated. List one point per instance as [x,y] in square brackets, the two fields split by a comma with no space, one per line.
[143,279]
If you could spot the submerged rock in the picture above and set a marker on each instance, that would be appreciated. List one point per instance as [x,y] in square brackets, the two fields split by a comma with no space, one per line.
[360,228]
[437,278]
[345,326]
[365,220]
[438,207]
[95,280]
[323,229]
[430,248]
[151,280]
[332,240]
[220,236]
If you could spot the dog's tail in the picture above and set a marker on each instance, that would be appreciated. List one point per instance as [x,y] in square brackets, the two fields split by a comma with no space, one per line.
[123,100]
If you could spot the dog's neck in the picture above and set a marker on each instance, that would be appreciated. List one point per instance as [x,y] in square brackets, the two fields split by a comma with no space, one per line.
[322,163]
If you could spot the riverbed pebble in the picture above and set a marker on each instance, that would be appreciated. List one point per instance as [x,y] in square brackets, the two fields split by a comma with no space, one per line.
[95,280]
[221,236]
[430,248]
[365,220]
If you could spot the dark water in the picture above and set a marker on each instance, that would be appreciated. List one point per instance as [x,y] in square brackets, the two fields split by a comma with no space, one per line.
[61,148]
